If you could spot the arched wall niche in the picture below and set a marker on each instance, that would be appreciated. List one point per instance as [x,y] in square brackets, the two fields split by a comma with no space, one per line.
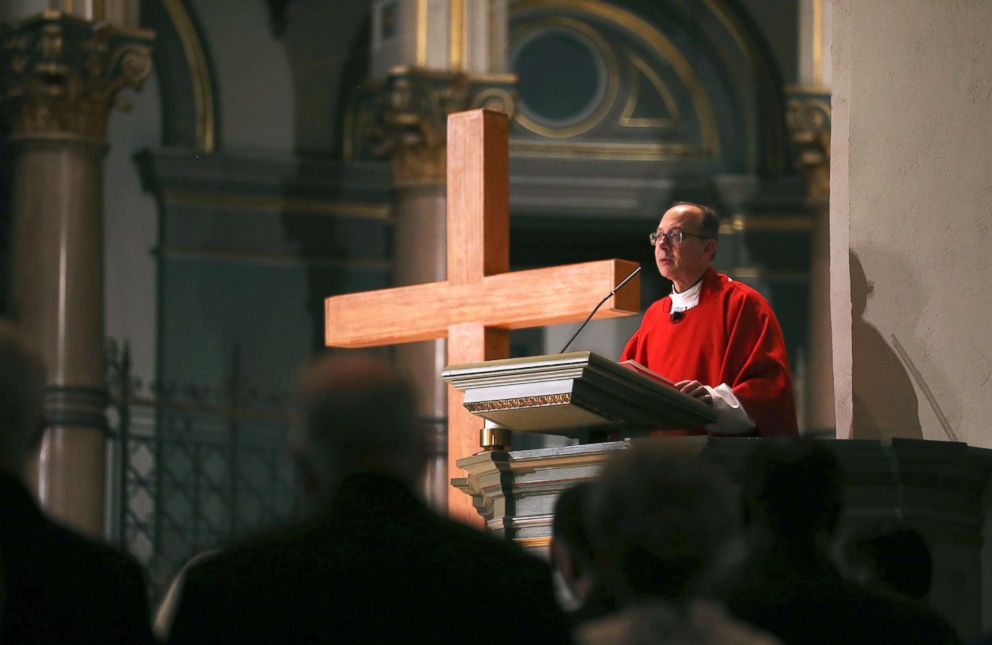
[691,85]
[190,109]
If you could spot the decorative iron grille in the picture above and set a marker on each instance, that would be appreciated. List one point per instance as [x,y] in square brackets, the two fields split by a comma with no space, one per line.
[195,467]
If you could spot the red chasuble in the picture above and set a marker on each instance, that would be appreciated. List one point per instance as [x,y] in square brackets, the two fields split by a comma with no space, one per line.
[732,337]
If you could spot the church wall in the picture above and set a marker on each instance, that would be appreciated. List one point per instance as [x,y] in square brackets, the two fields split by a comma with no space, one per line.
[15,9]
[328,48]
[910,219]
[777,23]
[131,232]
[254,87]
[256,113]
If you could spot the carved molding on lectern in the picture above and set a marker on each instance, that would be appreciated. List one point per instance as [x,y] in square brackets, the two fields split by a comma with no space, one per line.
[519,403]
[404,118]
[61,75]
[808,120]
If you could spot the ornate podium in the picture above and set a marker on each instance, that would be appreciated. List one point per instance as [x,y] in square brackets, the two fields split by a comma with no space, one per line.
[942,488]
[579,394]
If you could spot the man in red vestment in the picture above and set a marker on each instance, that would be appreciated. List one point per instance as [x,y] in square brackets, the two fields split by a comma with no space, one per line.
[717,339]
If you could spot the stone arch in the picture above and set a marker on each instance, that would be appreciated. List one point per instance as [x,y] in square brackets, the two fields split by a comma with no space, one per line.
[190,110]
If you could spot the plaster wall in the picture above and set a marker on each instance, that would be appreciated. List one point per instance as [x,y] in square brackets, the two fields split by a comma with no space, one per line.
[911,219]
[328,46]
[252,73]
[396,46]
[131,231]
[18,9]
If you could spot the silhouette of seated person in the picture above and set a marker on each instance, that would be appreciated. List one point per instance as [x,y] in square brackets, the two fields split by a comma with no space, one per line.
[786,583]
[896,558]
[59,587]
[373,564]
[655,522]
[572,557]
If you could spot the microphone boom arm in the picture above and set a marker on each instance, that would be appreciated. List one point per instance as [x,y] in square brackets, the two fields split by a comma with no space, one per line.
[596,308]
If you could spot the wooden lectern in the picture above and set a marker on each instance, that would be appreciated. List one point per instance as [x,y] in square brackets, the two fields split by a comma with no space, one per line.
[942,488]
[579,394]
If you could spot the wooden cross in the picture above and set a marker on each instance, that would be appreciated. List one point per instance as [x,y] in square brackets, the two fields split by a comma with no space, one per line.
[480,302]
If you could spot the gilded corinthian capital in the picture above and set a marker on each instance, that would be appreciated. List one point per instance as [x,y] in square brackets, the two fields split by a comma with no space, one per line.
[60,75]
[405,117]
[808,119]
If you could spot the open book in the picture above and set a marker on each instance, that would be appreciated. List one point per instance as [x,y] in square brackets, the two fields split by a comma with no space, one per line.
[634,366]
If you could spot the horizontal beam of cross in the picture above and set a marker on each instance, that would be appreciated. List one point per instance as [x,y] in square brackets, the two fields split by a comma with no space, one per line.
[504,301]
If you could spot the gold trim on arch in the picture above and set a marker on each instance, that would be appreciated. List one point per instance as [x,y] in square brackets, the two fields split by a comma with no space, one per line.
[456,36]
[729,23]
[760,273]
[817,41]
[612,79]
[357,210]
[196,61]
[421,33]
[769,223]
[657,41]
[627,119]
[605,150]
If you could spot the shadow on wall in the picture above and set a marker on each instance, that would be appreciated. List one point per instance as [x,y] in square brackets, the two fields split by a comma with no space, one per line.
[885,403]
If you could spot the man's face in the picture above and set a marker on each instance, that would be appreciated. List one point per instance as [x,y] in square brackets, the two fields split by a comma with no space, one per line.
[684,263]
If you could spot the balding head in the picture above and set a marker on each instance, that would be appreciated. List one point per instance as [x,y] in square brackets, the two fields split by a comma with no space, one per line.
[22,387]
[356,415]
[655,520]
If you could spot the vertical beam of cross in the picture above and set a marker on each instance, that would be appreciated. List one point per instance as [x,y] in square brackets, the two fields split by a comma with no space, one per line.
[481,301]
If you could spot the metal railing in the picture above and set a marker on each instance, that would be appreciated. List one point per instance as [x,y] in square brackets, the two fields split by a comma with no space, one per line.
[193,467]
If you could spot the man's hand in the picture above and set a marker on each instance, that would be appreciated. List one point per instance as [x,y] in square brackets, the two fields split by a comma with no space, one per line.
[696,390]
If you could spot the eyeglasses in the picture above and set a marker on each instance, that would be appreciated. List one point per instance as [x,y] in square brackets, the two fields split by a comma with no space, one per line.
[674,238]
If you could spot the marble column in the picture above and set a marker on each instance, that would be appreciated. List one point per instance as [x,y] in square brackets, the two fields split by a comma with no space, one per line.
[60,79]
[808,117]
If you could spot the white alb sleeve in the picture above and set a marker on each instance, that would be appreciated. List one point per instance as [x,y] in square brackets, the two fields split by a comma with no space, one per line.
[731,418]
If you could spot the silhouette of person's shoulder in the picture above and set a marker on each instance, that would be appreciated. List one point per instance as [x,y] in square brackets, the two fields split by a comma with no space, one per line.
[62,587]
[375,565]
[801,598]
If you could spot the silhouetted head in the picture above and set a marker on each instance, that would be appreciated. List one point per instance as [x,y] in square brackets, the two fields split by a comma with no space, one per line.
[356,415]
[571,550]
[656,521]
[792,488]
[895,557]
[22,388]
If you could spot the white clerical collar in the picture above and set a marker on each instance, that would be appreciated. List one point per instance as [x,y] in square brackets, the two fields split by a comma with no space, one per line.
[687,299]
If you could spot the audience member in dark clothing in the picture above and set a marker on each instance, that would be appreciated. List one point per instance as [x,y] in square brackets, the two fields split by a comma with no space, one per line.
[892,557]
[786,583]
[572,558]
[374,564]
[655,522]
[58,586]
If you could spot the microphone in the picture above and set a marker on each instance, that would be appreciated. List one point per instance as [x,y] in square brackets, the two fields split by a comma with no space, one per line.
[676,316]
[596,308]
